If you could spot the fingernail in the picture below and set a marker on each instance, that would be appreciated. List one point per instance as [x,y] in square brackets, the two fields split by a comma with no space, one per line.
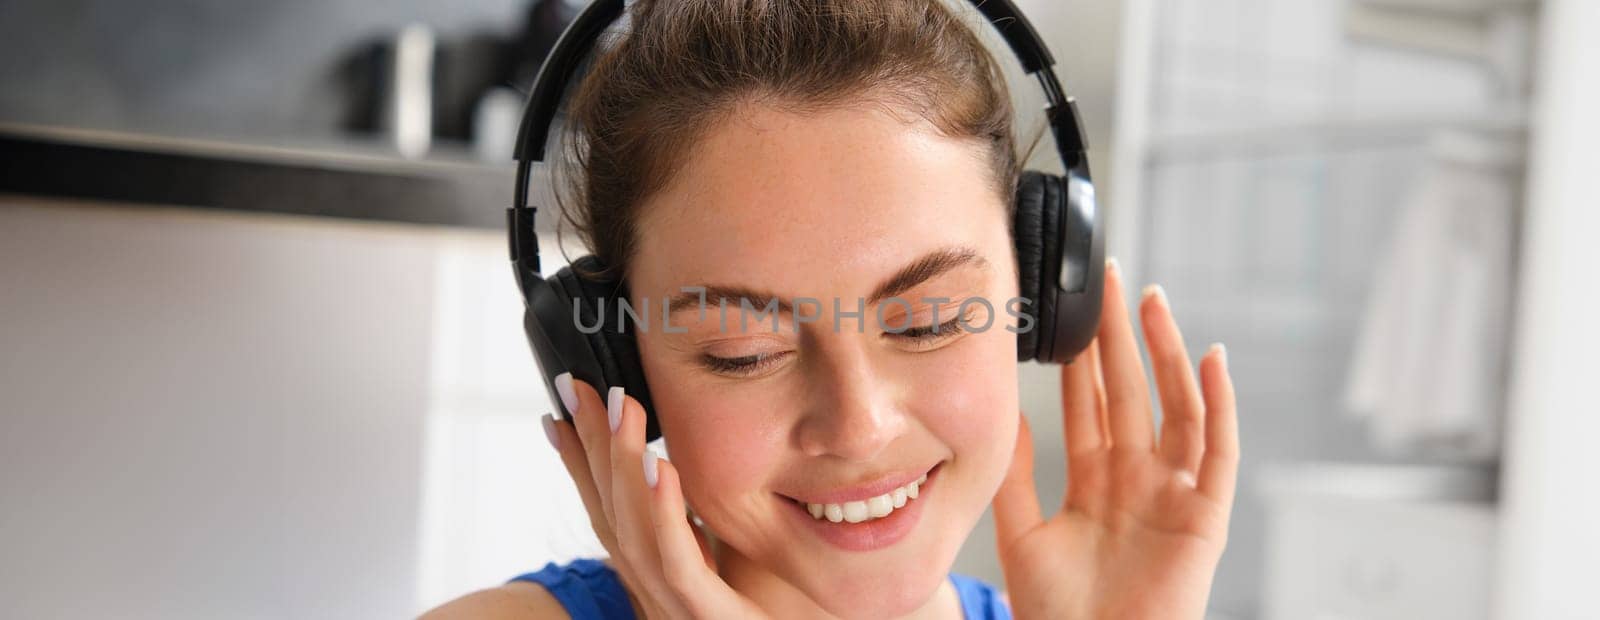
[1155,290]
[650,467]
[550,432]
[1111,264]
[1222,353]
[569,398]
[614,407]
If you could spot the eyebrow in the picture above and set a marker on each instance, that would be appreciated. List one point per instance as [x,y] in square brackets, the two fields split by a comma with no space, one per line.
[925,268]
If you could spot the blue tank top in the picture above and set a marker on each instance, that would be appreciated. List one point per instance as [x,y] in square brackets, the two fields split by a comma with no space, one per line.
[590,590]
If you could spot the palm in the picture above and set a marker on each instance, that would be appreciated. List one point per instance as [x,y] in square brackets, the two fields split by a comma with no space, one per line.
[1143,522]
[1126,531]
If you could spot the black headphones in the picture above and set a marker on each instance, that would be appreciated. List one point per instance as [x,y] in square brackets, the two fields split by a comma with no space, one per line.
[1059,236]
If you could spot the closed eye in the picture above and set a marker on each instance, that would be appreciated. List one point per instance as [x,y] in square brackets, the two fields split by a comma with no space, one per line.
[747,365]
[930,332]
[743,365]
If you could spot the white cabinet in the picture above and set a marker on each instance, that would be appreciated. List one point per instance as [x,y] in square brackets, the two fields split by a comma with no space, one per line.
[1378,543]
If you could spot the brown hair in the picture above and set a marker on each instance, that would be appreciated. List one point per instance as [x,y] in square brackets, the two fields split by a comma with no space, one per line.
[684,64]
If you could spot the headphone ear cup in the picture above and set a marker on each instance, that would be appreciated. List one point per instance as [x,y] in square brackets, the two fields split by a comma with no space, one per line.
[1078,270]
[1035,226]
[613,344]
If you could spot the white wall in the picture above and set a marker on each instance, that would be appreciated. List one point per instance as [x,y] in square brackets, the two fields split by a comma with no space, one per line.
[208,415]
[1550,503]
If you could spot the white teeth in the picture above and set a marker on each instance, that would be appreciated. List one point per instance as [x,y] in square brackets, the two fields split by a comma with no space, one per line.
[879,506]
[855,512]
[872,508]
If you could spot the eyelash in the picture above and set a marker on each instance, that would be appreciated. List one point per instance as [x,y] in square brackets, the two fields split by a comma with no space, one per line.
[927,333]
[751,364]
[739,366]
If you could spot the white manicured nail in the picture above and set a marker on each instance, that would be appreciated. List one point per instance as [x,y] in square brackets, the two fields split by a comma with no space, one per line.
[650,467]
[569,397]
[550,432]
[1155,290]
[614,407]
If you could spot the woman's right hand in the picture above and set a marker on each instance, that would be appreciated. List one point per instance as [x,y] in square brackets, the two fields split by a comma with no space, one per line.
[636,508]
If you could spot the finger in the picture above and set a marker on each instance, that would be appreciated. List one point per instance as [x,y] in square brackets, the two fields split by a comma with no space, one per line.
[1016,505]
[1099,380]
[1127,395]
[701,539]
[1183,438]
[684,565]
[630,497]
[1220,466]
[1080,405]
[595,434]
[577,464]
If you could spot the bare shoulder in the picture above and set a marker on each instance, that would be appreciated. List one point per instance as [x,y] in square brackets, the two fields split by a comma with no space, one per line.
[518,600]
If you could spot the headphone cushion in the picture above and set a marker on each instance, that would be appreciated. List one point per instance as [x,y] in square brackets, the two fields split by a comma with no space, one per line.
[1027,233]
[614,345]
[1052,208]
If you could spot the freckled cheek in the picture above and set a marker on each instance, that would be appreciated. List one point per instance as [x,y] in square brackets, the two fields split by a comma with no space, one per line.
[724,448]
[968,398]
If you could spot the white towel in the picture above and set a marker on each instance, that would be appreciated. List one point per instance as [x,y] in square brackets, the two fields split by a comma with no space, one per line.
[1429,364]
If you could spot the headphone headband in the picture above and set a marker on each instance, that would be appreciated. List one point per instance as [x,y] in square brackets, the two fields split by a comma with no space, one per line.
[579,37]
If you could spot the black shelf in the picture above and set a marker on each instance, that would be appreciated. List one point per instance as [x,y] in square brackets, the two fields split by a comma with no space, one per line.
[345,180]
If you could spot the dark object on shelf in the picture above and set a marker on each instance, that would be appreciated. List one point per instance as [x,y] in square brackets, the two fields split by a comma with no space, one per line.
[547,19]
[464,69]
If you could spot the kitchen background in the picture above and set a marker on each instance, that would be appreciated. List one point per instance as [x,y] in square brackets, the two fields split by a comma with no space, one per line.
[260,351]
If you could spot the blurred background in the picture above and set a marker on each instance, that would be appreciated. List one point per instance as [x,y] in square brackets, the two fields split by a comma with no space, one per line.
[261,354]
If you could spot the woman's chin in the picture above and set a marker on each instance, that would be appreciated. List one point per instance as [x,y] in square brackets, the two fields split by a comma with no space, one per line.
[887,583]
[879,593]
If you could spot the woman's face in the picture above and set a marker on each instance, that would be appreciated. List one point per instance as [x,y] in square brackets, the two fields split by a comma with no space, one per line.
[833,407]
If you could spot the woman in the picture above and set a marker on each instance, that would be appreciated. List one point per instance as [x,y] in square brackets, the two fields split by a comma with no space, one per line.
[834,149]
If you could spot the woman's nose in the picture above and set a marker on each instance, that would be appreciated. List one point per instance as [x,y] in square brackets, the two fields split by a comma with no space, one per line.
[855,413]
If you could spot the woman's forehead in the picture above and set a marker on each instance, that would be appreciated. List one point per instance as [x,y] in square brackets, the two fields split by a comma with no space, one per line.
[814,199]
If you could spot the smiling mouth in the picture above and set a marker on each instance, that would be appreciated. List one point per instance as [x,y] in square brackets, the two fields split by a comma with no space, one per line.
[870,508]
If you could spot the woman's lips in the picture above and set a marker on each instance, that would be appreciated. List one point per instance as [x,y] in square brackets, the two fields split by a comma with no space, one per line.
[862,492]
[872,533]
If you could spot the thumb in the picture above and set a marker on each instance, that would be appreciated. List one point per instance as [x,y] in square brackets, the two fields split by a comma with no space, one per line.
[1016,505]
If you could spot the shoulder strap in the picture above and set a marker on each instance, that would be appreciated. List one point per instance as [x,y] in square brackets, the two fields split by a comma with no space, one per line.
[587,588]
[979,600]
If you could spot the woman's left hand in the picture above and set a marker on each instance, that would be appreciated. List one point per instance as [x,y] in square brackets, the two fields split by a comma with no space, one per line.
[1145,520]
